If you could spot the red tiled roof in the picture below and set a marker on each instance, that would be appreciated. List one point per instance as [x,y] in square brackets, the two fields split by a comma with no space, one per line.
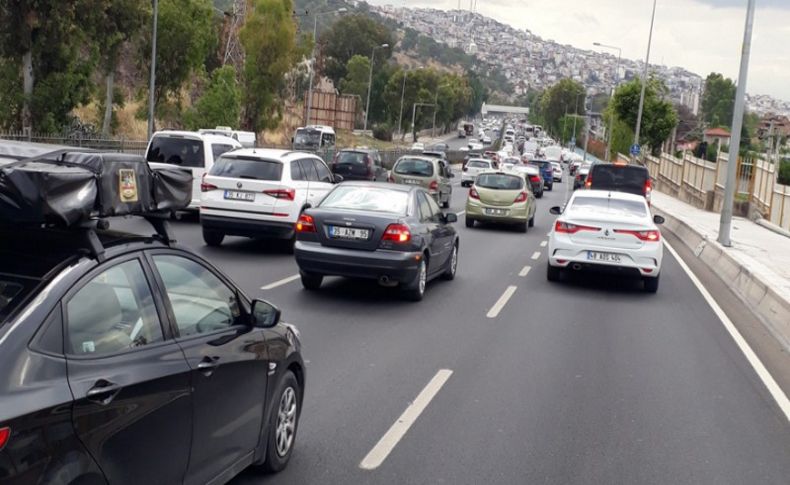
[720,132]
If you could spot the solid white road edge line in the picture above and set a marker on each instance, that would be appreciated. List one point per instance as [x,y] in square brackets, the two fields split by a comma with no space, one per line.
[398,430]
[459,214]
[524,271]
[494,311]
[281,282]
[536,255]
[779,396]
[543,244]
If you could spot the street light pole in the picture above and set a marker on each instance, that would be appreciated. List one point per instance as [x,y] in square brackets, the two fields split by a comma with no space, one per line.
[725,223]
[370,83]
[402,94]
[610,131]
[644,78]
[152,83]
[312,61]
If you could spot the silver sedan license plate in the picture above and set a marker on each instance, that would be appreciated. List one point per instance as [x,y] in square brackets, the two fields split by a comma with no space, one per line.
[411,181]
[348,232]
[243,196]
[603,257]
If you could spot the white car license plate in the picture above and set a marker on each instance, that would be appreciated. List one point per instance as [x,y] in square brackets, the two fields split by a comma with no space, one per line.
[603,257]
[236,195]
[496,212]
[348,232]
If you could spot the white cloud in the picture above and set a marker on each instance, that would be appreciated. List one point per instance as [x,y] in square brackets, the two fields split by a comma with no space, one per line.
[701,35]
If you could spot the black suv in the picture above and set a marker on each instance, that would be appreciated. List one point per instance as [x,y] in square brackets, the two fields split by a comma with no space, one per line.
[620,177]
[359,164]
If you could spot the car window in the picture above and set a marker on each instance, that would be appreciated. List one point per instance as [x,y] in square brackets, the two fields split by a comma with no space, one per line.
[500,182]
[308,169]
[476,164]
[374,199]
[424,206]
[201,302]
[435,210]
[328,139]
[247,168]
[611,205]
[414,166]
[185,152]
[351,158]
[323,173]
[296,171]
[113,312]
[217,149]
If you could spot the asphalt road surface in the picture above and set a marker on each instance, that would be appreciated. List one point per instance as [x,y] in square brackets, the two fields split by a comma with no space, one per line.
[501,377]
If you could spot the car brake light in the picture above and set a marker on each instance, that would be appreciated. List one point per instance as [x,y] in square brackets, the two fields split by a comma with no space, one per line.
[648,186]
[5,433]
[398,233]
[534,178]
[289,194]
[522,197]
[204,187]
[305,223]
[473,194]
[588,182]
[569,228]
[649,236]
[390,179]
[434,185]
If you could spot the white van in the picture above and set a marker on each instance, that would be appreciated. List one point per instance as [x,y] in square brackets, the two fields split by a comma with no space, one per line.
[246,138]
[189,150]
[314,138]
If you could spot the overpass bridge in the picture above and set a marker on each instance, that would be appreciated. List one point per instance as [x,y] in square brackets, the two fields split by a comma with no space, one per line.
[499,108]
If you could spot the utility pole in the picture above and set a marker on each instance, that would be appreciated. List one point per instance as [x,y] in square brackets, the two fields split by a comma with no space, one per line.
[725,223]
[152,83]
[644,78]
[312,61]
[610,130]
[370,83]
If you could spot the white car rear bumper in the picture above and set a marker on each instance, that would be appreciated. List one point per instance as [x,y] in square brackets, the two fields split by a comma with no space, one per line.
[565,254]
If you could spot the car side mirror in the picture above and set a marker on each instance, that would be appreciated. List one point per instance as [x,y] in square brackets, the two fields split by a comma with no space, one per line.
[658,219]
[450,218]
[338,178]
[556,210]
[264,314]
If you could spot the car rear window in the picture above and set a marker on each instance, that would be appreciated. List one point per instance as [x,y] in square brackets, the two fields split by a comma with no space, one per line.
[185,152]
[351,158]
[247,168]
[375,199]
[219,148]
[627,178]
[500,182]
[414,166]
[541,164]
[475,164]
[631,207]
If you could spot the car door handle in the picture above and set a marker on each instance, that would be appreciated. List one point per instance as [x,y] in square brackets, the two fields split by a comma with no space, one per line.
[103,392]
[208,365]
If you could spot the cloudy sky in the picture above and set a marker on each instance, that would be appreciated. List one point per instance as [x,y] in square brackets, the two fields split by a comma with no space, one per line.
[700,35]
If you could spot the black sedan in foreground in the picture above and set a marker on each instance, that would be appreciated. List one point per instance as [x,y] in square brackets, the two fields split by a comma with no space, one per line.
[394,234]
[128,360]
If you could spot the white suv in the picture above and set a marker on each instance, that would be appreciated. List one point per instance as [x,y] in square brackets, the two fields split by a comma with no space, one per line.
[260,193]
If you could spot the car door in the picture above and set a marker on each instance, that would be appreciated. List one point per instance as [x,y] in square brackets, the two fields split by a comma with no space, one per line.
[445,180]
[300,183]
[130,381]
[324,183]
[435,231]
[311,176]
[228,362]
[378,167]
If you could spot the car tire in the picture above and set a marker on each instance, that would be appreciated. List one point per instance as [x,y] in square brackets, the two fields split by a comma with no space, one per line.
[532,221]
[553,273]
[415,290]
[469,222]
[284,424]
[651,284]
[311,281]
[213,238]
[452,265]
[522,226]
[446,204]
[550,187]
[539,195]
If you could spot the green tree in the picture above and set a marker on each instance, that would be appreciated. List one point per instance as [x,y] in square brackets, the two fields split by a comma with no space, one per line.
[560,99]
[269,40]
[356,79]
[718,101]
[567,128]
[659,116]
[220,104]
[354,35]
[185,35]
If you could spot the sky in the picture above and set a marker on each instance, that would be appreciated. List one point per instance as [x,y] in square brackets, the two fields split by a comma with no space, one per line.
[702,36]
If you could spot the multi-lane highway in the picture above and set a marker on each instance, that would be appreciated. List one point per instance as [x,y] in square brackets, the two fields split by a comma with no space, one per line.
[501,377]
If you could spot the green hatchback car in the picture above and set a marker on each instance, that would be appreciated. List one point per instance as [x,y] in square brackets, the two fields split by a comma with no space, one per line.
[430,173]
[501,197]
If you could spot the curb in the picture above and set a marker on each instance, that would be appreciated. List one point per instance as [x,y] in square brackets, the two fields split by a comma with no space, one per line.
[772,227]
[771,308]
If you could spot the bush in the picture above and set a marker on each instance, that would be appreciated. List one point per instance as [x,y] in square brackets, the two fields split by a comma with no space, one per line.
[784,173]
[383,132]
[712,152]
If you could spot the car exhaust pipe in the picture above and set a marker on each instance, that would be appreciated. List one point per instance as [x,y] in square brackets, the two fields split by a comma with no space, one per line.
[576,266]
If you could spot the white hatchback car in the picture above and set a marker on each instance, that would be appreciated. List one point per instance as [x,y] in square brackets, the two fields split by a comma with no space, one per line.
[473,167]
[608,232]
[261,193]
[556,170]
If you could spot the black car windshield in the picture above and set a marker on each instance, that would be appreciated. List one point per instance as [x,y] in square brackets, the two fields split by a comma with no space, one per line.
[619,177]
[307,138]
[351,158]
[414,166]
[375,199]
[500,182]
[186,152]
[247,168]
[608,204]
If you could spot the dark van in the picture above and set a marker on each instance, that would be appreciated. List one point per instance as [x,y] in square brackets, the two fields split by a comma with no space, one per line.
[620,177]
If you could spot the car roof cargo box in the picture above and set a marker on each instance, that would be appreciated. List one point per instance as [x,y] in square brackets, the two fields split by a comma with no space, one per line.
[71,187]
